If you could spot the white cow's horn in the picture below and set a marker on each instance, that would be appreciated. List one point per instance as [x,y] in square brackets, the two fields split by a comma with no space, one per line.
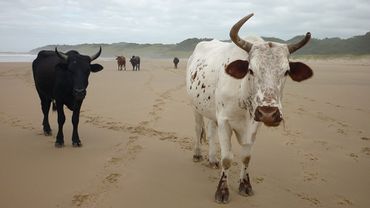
[243,44]
[295,46]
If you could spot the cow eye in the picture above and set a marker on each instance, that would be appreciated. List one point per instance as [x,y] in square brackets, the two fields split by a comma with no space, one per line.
[251,72]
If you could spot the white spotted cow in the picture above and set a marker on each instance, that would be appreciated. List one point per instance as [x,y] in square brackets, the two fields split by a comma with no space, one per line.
[238,86]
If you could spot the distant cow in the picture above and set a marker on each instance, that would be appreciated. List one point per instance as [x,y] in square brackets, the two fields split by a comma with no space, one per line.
[135,61]
[63,78]
[176,61]
[121,61]
[238,86]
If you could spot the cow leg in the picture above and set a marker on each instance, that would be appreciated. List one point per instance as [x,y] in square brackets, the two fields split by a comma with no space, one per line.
[200,135]
[224,135]
[246,139]
[61,119]
[45,106]
[75,120]
[211,136]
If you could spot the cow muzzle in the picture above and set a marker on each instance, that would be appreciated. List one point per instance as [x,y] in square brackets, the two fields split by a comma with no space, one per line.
[79,94]
[270,116]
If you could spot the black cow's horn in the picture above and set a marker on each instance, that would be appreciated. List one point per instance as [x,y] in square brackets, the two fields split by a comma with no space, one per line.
[96,55]
[61,55]
[295,46]
[243,44]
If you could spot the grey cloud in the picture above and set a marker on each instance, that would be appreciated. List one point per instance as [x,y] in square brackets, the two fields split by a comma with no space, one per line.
[28,24]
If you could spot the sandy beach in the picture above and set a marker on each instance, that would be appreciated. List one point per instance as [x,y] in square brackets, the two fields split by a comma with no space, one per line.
[137,130]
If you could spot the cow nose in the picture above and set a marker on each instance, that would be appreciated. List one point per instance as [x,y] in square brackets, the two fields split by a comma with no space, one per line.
[79,93]
[270,116]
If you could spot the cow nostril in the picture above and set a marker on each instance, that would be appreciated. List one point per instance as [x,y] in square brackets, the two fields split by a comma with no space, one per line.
[258,114]
[277,116]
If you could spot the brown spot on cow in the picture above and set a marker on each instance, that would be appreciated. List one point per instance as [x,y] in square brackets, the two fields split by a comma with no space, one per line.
[246,160]
[194,75]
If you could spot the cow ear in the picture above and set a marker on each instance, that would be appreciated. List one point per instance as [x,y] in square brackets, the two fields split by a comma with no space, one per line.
[299,71]
[61,66]
[96,67]
[237,69]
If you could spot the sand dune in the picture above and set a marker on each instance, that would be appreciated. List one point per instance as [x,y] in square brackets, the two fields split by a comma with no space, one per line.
[137,130]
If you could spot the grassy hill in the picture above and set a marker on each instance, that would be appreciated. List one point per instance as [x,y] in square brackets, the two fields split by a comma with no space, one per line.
[358,45]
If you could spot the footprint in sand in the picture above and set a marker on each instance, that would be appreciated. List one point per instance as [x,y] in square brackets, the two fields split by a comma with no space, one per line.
[310,176]
[354,156]
[365,138]
[312,200]
[341,131]
[343,201]
[112,178]
[115,160]
[258,179]
[79,199]
[311,157]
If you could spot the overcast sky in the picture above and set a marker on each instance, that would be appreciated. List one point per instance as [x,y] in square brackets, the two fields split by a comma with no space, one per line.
[27,24]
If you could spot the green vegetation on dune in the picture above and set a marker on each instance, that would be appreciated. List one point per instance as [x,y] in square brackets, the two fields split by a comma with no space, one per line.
[358,45]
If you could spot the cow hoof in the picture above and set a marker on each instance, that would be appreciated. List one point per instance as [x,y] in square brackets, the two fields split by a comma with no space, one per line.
[214,165]
[197,158]
[245,188]
[222,192]
[77,144]
[59,145]
[222,195]
[47,133]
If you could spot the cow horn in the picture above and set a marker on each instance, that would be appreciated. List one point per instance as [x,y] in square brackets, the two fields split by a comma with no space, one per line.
[61,55]
[96,55]
[243,44]
[295,46]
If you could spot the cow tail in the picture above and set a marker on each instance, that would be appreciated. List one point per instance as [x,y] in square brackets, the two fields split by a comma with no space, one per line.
[54,106]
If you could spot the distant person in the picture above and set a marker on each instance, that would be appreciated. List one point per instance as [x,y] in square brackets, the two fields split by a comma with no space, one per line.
[176,61]
[135,61]
[121,61]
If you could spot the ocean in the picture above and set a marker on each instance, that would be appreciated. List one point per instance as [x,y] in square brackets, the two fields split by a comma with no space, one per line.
[17,57]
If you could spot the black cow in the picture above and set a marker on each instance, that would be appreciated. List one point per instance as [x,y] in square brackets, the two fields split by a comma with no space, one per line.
[176,61]
[63,78]
[135,61]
